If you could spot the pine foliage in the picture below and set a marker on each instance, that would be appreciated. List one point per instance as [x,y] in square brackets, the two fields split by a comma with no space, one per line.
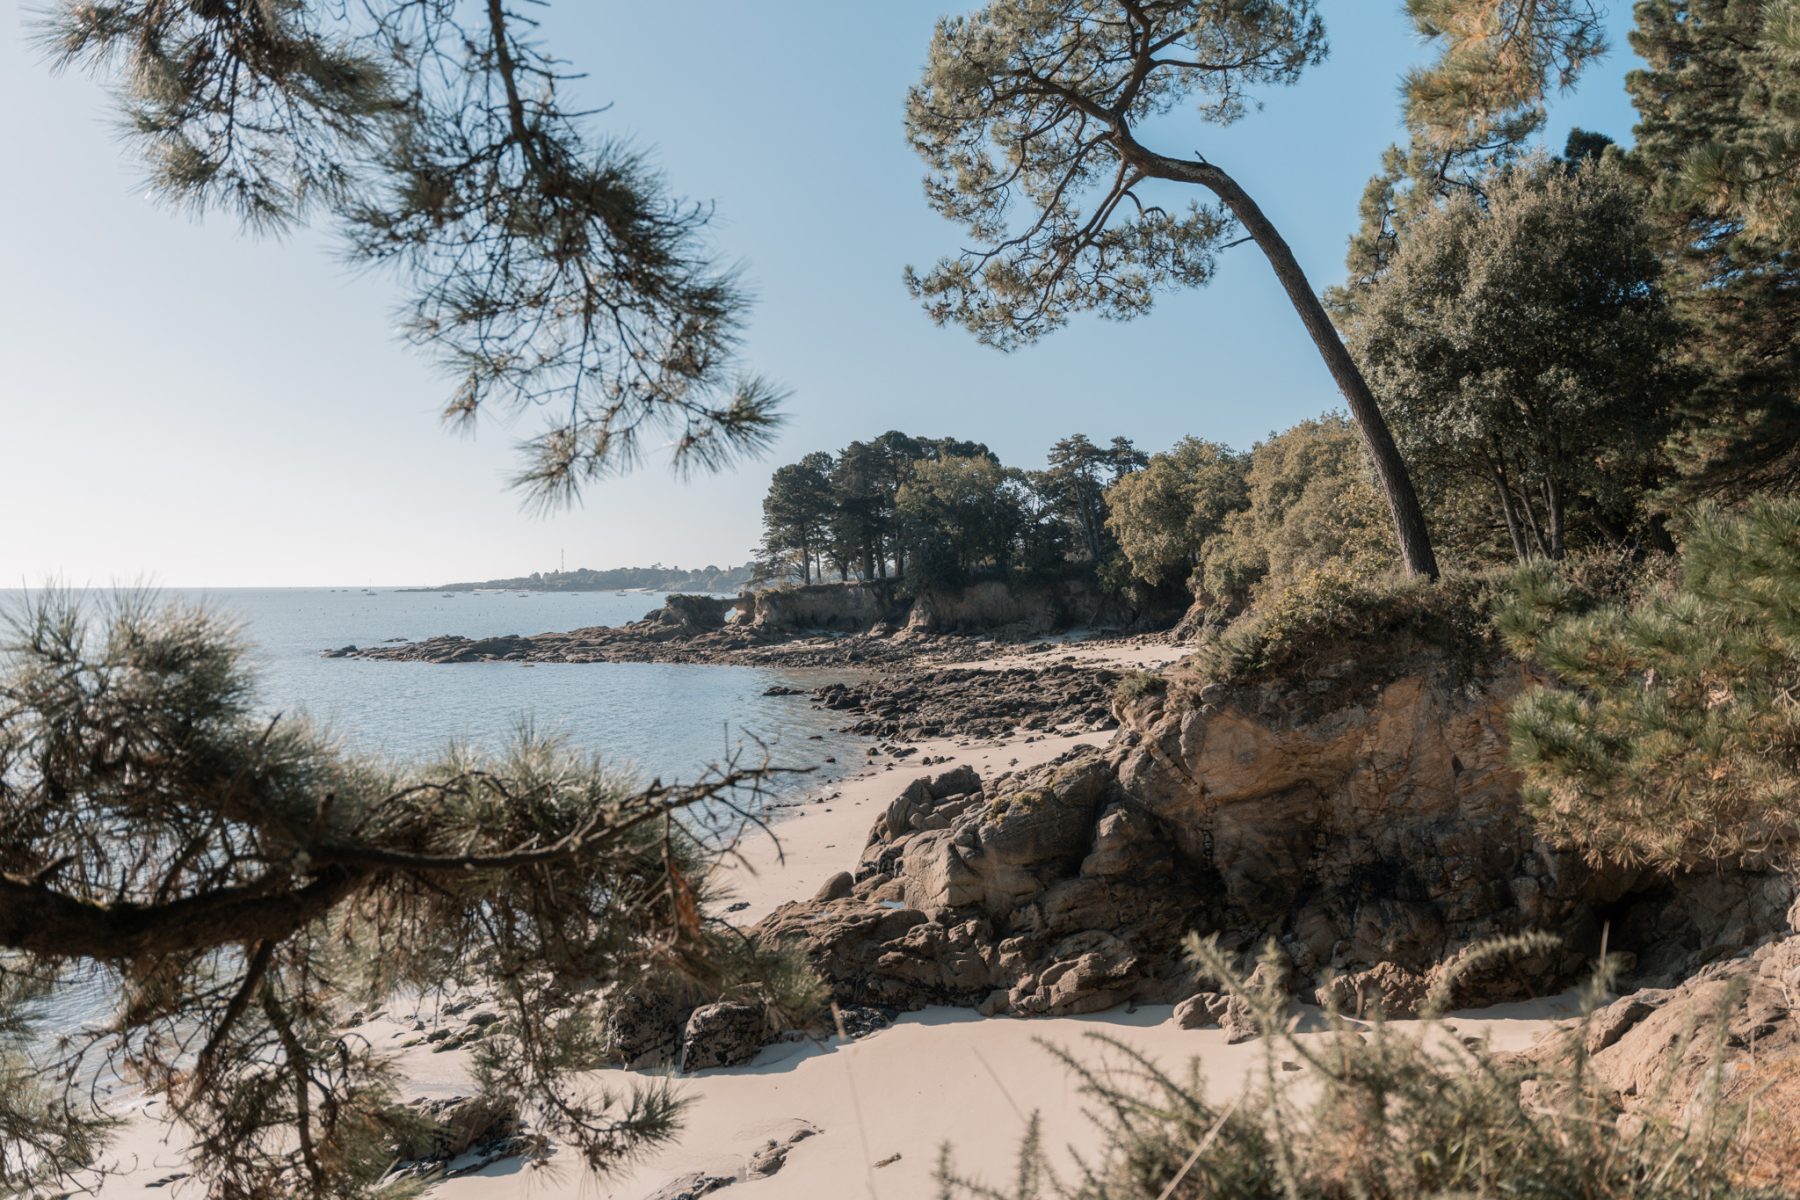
[547,271]
[237,884]
[1672,735]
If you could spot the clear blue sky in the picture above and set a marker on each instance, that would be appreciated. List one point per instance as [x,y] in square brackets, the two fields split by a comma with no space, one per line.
[182,403]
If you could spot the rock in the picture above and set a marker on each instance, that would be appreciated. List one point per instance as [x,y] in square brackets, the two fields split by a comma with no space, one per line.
[1237,1023]
[1662,1048]
[773,1155]
[1202,1010]
[692,1187]
[643,1026]
[835,888]
[1088,972]
[857,1021]
[1382,990]
[453,1127]
[726,1034]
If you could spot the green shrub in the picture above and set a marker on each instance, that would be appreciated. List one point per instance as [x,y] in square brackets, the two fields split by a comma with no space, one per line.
[1335,619]
[1376,1112]
[1672,735]
[1137,685]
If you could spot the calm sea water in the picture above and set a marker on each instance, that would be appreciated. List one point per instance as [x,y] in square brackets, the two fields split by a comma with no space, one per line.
[660,719]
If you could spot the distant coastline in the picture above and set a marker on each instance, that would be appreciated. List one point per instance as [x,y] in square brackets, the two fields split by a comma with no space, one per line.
[656,578]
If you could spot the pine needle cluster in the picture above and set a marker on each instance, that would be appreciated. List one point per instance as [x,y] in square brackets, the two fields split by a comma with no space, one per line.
[1672,736]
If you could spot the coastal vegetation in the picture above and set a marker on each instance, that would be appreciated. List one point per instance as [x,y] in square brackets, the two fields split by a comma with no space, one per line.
[658,578]
[243,884]
[1561,510]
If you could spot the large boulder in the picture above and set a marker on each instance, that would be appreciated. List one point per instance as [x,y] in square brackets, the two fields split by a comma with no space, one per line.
[725,1034]
[1045,895]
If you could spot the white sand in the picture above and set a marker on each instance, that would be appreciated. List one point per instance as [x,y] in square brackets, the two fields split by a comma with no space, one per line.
[894,1098]
[1145,653]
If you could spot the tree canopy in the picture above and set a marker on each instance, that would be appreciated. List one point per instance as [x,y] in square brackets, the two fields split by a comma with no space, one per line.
[1521,343]
[548,270]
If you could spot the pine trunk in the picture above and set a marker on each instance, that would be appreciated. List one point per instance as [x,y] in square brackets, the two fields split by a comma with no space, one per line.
[1390,469]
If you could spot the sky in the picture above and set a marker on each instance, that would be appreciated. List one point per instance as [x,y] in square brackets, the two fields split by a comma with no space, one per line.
[187,405]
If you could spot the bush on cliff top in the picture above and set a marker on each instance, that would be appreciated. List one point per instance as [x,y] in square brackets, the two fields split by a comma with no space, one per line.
[1338,624]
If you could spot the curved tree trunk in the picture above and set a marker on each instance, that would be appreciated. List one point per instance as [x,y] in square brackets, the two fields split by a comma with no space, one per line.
[1390,468]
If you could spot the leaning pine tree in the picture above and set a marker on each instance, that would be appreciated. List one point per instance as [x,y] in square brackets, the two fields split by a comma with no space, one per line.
[1040,102]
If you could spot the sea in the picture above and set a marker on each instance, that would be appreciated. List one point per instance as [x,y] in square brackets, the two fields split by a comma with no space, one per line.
[657,720]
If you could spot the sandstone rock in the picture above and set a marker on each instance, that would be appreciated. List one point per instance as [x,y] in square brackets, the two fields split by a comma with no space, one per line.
[1736,1021]
[1382,990]
[1202,1010]
[726,1034]
[836,888]
[1088,972]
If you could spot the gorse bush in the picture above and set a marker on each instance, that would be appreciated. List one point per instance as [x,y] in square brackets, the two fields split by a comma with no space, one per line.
[1376,1112]
[1672,735]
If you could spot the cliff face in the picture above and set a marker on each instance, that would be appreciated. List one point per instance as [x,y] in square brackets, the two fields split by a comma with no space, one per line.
[1374,838]
[831,607]
[1025,609]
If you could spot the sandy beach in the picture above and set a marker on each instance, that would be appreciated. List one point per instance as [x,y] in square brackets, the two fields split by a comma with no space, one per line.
[880,1108]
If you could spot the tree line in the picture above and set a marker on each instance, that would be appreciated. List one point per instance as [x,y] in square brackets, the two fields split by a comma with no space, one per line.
[938,511]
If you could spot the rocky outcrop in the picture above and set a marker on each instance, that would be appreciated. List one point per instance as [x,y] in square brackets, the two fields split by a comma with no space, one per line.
[1729,1032]
[1047,894]
[920,704]
[839,624]
[1020,610]
[828,607]
[1374,841]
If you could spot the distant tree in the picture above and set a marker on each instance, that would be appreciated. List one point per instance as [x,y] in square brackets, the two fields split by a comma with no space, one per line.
[960,516]
[1165,515]
[1074,485]
[1718,145]
[547,270]
[1312,503]
[797,514]
[1519,343]
[1039,103]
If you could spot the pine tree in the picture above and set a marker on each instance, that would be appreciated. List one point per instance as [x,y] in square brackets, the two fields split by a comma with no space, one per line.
[547,270]
[1718,145]
[1041,106]
[1671,737]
